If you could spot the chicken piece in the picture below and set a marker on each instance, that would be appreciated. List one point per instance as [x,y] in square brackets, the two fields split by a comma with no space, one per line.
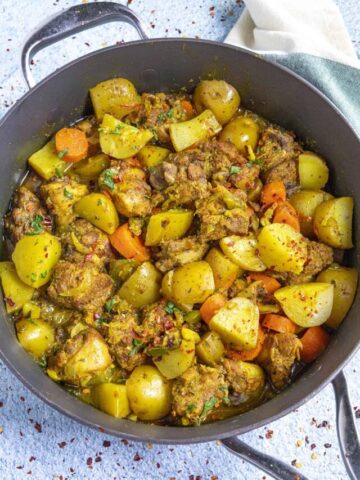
[81,357]
[80,286]
[223,213]
[286,172]
[247,380]
[197,392]
[246,178]
[128,187]
[83,242]
[278,355]
[276,146]
[27,216]
[184,177]
[123,339]
[319,257]
[160,329]
[174,253]
[157,112]
[60,196]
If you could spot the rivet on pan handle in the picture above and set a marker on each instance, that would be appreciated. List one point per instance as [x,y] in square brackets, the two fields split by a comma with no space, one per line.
[72,20]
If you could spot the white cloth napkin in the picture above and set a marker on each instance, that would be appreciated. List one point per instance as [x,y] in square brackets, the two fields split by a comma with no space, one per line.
[315,27]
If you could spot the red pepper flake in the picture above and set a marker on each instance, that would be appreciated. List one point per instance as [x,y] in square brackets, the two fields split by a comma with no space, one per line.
[10,302]
[357,413]
[98,459]
[22,399]
[71,470]
[129,2]
[1,404]
[61,444]
[29,472]
[327,445]
[312,446]
[31,459]
[19,467]
[71,441]
[269,433]
[158,465]
[106,443]
[38,427]
[89,461]
[124,441]
[294,462]
[137,457]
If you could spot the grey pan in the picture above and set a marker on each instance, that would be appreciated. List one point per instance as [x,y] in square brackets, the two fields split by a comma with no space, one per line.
[166,64]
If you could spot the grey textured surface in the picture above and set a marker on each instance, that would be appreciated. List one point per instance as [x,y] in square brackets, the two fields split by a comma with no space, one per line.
[35,441]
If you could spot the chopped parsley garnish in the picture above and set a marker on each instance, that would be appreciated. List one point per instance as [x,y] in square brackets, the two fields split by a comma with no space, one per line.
[36,225]
[100,321]
[62,153]
[42,362]
[234,170]
[171,308]
[114,131]
[43,274]
[154,132]
[68,194]
[108,178]
[58,172]
[209,405]
[33,277]
[190,408]
[109,305]
[165,115]
[137,344]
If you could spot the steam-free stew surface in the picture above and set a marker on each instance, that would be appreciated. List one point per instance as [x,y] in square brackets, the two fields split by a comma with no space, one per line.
[172,256]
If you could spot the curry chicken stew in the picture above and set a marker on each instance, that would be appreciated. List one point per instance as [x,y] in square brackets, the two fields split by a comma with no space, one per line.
[175,258]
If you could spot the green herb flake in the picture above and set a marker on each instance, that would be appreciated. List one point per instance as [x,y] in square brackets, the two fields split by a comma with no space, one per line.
[190,408]
[208,406]
[100,321]
[62,153]
[171,308]
[109,305]
[36,225]
[137,344]
[42,362]
[108,178]
[33,277]
[234,170]
[43,274]
[68,194]
[58,172]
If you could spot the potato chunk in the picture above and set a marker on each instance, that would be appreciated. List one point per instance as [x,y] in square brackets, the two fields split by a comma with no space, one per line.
[111,398]
[333,222]
[243,252]
[313,171]
[35,336]
[218,96]
[46,162]
[99,210]
[193,283]
[142,287]
[169,225]
[16,292]
[225,271]
[305,203]
[237,323]
[307,304]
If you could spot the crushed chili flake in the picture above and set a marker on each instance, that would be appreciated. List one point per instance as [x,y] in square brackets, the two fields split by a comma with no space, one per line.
[269,433]
[98,459]
[22,399]
[1,404]
[312,446]
[38,427]
[106,443]
[89,461]
[124,441]
[158,465]
[61,444]
[327,445]
[137,457]
[357,413]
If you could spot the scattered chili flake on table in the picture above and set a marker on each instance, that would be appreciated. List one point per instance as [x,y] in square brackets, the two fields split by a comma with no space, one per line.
[106,443]
[61,444]
[38,427]
[137,457]
[269,433]
[89,461]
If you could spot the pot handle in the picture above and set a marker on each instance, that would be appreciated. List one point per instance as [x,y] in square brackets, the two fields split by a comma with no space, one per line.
[347,434]
[70,21]
[346,428]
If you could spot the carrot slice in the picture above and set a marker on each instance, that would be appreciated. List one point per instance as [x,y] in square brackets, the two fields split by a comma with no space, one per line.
[278,323]
[270,283]
[314,342]
[286,213]
[211,306]
[71,144]
[186,105]
[248,355]
[128,244]
[273,192]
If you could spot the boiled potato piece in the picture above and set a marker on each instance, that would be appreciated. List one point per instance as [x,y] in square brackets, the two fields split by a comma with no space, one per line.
[237,323]
[167,291]
[307,304]
[281,248]
[185,134]
[111,398]
[16,292]
[218,96]
[90,168]
[169,225]
[243,251]
[313,171]
[35,257]
[121,140]
[174,363]
[210,349]
[35,336]
[243,132]
[151,155]
[345,282]
[193,282]
[142,287]
[99,210]
[122,268]
[149,393]
[333,222]
[225,271]
[305,203]
[117,96]
[46,162]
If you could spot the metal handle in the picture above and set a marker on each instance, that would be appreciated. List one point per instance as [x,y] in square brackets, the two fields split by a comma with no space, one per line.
[345,424]
[274,467]
[72,20]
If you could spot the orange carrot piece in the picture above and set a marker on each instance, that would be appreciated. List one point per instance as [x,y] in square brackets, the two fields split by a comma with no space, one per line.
[128,244]
[186,105]
[286,213]
[314,342]
[211,306]
[270,283]
[71,144]
[273,192]
[248,355]
[278,323]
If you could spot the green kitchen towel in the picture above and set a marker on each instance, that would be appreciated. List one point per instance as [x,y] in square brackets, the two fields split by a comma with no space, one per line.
[310,38]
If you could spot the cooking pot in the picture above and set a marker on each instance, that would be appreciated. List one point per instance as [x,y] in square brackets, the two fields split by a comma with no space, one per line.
[163,65]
